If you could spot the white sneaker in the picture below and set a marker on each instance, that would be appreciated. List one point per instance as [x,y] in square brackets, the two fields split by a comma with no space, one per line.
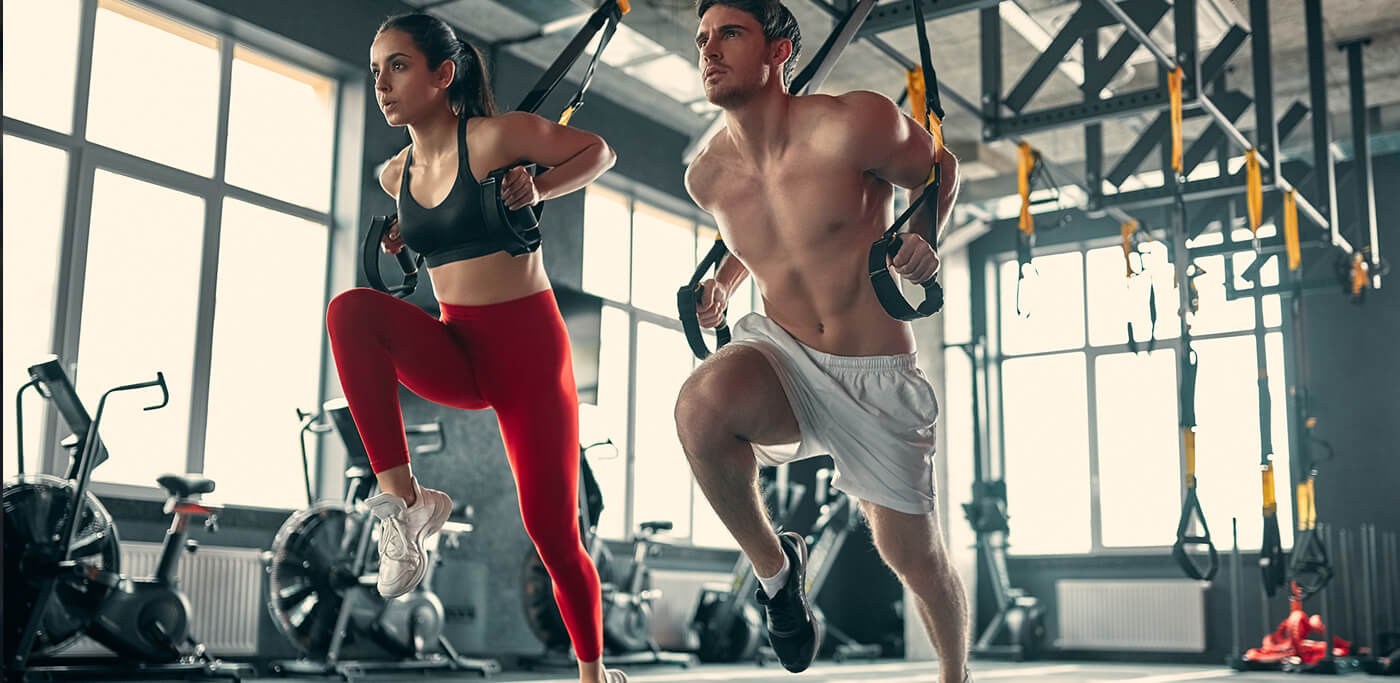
[402,533]
[614,676]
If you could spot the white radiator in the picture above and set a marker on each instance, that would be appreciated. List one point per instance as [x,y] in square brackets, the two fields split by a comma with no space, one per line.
[224,586]
[1165,615]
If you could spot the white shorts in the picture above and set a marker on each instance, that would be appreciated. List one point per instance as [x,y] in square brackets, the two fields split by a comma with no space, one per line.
[873,414]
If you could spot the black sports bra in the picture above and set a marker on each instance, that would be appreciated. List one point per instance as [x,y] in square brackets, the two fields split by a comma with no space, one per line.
[455,229]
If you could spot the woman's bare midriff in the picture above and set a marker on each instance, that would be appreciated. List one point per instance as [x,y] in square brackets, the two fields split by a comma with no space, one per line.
[489,279]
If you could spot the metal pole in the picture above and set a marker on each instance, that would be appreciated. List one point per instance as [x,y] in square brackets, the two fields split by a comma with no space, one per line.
[1344,570]
[1360,133]
[1327,629]
[1323,169]
[1265,127]
[1234,590]
[1369,599]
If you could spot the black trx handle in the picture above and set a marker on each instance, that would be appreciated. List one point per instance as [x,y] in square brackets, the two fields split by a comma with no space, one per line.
[886,289]
[519,229]
[408,261]
[1310,566]
[690,295]
[1191,507]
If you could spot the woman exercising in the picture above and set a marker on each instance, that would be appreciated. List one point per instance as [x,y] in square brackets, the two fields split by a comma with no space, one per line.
[500,343]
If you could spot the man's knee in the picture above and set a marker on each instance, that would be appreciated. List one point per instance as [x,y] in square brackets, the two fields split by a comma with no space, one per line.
[699,410]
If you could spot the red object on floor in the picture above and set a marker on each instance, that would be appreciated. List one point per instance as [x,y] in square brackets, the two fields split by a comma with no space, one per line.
[1289,640]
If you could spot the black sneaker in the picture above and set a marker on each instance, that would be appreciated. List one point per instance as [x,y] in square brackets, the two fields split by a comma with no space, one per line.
[792,632]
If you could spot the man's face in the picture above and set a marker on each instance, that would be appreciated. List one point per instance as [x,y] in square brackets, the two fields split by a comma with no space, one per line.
[736,60]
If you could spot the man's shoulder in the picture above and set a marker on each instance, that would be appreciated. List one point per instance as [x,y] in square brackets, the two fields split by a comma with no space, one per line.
[701,174]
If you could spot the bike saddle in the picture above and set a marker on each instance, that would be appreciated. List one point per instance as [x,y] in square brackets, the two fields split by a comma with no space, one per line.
[653,527]
[183,486]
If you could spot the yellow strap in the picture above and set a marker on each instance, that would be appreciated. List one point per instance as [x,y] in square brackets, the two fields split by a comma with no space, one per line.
[1025,161]
[1128,229]
[1270,501]
[935,128]
[1174,85]
[1290,230]
[624,6]
[1188,435]
[1359,273]
[1255,189]
[914,80]
[1307,508]
[564,118]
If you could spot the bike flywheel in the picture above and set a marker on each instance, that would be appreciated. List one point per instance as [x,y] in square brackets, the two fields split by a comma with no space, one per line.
[36,514]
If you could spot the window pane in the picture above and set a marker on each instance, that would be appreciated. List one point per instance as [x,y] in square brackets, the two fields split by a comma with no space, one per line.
[709,531]
[39,175]
[41,61]
[1045,407]
[140,297]
[608,420]
[663,257]
[1139,460]
[957,297]
[280,130]
[1115,299]
[607,236]
[740,300]
[1273,315]
[662,488]
[1052,301]
[1227,437]
[266,355]
[1215,313]
[170,114]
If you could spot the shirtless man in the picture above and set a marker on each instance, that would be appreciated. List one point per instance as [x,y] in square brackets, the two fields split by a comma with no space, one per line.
[801,187]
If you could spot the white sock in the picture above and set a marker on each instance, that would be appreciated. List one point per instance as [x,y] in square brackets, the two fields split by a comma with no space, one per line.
[775,583]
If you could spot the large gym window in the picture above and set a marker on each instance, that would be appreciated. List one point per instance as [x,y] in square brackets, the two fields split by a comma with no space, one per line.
[190,238]
[1089,429]
[33,234]
[645,358]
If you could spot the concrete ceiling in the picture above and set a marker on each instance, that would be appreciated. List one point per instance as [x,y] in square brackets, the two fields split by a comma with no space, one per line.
[956,54]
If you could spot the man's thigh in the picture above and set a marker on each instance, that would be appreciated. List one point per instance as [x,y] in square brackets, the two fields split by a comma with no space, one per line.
[739,386]
[909,543]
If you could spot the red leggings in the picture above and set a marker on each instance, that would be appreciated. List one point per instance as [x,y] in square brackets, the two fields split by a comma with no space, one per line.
[511,356]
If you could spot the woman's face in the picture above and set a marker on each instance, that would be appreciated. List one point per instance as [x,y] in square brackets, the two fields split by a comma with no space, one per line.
[404,84]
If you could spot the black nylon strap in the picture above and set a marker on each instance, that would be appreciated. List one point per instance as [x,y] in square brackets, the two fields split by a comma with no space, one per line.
[369,256]
[690,295]
[519,229]
[886,289]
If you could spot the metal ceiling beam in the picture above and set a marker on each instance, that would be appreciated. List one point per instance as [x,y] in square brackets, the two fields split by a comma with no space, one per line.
[892,15]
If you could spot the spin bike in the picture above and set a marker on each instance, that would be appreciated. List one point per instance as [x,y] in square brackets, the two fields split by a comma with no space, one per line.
[322,574]
[63,559]
[627,597]
[838,517]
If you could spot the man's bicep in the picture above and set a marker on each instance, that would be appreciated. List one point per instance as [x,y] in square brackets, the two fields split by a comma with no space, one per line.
[911,161]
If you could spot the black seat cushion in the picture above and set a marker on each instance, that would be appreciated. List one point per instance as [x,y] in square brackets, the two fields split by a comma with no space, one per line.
[184,486]
[656,526]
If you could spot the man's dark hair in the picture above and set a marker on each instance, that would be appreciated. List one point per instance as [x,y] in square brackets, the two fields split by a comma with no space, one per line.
[776,20]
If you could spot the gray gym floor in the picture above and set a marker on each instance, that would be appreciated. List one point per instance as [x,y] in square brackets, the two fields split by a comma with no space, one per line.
[892,672]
